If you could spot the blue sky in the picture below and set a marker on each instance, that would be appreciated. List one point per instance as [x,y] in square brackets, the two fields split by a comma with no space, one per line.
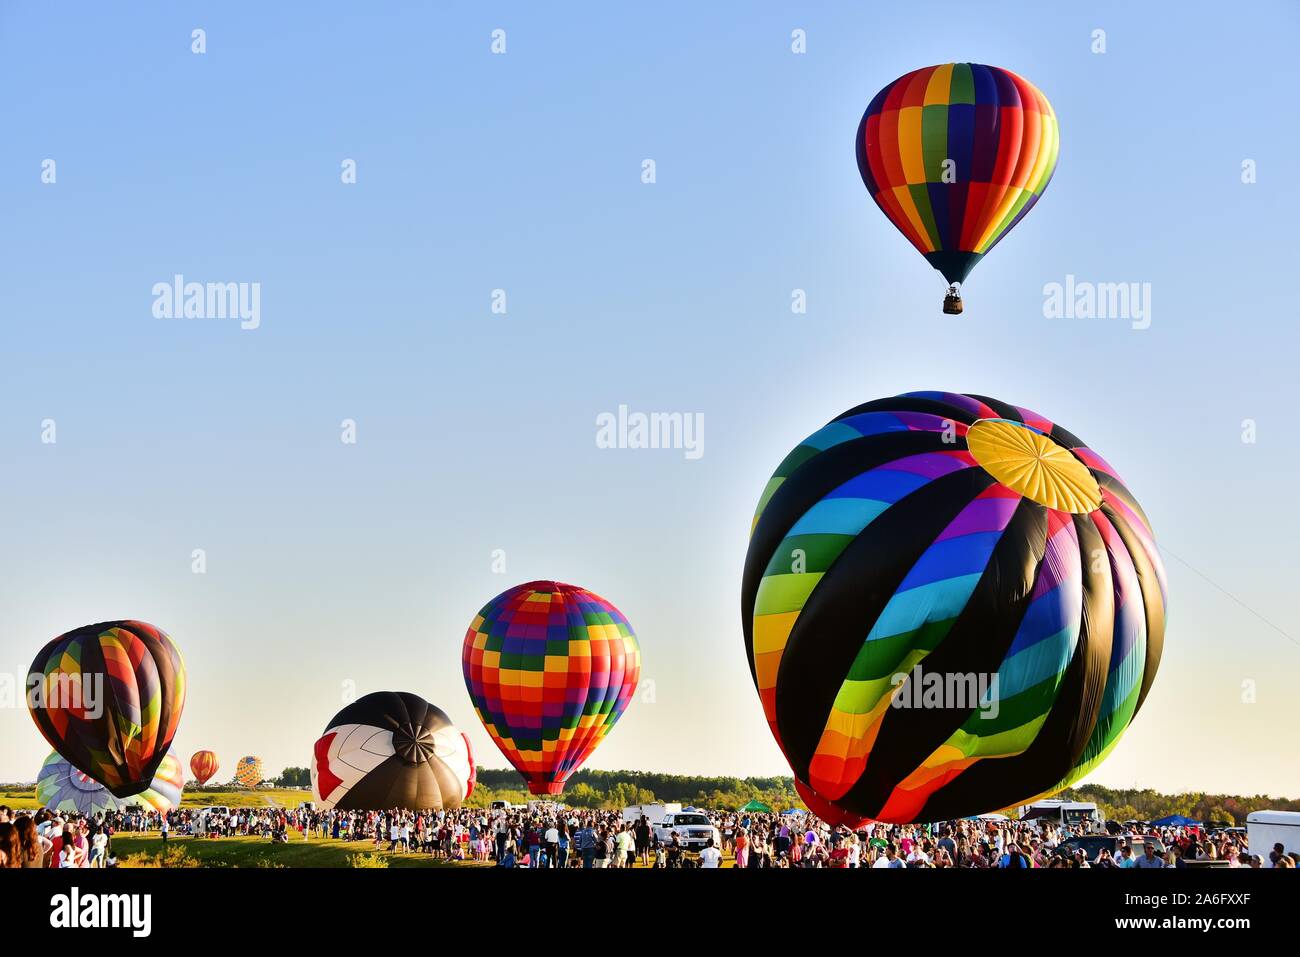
[332,563]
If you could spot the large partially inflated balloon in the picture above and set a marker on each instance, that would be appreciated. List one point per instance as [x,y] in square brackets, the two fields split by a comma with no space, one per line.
[108,697]
[248,771]
[951,605]
[62,787]
[203,765]
[955,155]
[550,668]
[391,749]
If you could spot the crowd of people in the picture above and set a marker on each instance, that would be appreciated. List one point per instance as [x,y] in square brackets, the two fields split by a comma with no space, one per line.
[554,837]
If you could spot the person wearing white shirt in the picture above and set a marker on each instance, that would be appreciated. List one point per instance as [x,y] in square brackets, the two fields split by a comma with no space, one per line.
[710,856]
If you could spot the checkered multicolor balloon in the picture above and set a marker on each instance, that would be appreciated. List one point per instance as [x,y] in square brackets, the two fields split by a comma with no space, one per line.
[549,667]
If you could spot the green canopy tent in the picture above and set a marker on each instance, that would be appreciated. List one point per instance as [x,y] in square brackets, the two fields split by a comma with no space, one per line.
[757,806]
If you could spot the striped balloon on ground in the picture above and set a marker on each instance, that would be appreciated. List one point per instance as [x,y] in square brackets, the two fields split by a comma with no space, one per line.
[108,697]
[61,787]
[951,605]
[955,155]
[550,668]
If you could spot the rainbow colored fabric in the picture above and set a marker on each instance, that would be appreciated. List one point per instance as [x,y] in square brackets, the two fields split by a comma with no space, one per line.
[142,678]
[61,787]
[550,668]
[964,536]
[955,155]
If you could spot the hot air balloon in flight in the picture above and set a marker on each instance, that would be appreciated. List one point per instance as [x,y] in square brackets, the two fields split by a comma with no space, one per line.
[955,155]
[951,605]
[248,771]
[61,787]
[550,668]
[108,697]
[391,749]
[203,765]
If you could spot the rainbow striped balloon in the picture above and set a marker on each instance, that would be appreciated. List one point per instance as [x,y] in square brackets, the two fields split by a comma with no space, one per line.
[951,606]
[955,155]
[550,668]
[108,697]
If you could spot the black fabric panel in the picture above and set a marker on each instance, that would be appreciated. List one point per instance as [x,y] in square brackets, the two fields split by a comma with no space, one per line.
[380,790]
[391,710]
[925,406]
[1065,438]
[1152,600]
[953,264]
[842,608]
[1003,409]
[1001,782]
[977,643]
[1114,488]
[806,487]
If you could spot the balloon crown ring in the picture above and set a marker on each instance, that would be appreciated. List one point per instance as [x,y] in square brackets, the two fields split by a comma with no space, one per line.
[1030,462]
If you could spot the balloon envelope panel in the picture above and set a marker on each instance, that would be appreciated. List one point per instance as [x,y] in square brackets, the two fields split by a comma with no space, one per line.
[391,749]
[109,698]
[951,605]
[550,668]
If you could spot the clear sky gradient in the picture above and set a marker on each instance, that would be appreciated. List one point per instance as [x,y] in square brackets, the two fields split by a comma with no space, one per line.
[331,564]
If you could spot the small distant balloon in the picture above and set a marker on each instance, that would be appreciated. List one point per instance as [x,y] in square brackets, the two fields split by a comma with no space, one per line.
[248,772]
[203,765]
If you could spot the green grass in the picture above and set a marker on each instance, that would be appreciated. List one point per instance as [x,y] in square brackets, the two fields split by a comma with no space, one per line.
[278,797]
[139,850]
[260,852]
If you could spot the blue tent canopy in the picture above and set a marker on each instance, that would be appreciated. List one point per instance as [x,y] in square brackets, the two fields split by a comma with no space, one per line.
[1176,820]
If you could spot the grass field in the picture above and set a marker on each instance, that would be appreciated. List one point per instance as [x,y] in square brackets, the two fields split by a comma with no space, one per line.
[190,797]
[136,850]
[147,850]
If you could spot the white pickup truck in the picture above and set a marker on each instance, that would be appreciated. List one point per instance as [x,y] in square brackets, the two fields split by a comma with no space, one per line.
[693,829]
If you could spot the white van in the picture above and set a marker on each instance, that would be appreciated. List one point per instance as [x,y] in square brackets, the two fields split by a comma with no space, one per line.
[1065,814]
[1266,828]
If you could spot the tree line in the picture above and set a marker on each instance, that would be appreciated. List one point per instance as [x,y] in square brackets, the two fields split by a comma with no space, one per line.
[612,790]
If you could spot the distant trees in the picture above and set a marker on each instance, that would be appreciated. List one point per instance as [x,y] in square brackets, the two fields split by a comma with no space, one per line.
[612,790]
[294,778]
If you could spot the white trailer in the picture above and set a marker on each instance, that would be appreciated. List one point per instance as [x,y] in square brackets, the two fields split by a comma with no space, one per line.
[654,813]
[1267,828]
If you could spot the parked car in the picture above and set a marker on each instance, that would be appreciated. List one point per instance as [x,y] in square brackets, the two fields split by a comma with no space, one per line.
[1094,844]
